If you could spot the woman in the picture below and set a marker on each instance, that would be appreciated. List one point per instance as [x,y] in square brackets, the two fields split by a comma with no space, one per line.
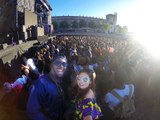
[85,102]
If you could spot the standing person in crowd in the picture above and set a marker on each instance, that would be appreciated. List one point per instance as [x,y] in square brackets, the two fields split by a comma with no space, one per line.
[121,90]
[85,101]
[84,63]
[90,52]
[46,100]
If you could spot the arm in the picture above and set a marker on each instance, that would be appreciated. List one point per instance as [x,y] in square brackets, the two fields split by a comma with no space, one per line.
[88,111]
[35,101]
[89,117]
[20,81]
[91,110]
[108,101]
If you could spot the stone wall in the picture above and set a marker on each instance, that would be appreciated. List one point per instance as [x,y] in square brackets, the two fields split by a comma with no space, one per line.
[10,61]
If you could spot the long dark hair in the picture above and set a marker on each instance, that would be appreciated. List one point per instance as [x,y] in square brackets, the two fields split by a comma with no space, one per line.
[120,77]
[81,93]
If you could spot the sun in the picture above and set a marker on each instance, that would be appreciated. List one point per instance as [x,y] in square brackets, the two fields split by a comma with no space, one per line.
[144,21]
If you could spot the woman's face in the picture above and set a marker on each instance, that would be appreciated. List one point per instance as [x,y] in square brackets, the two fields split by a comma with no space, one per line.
[83,80]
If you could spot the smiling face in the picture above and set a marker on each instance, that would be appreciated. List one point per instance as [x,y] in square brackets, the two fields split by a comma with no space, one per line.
[58,67]
[83,80]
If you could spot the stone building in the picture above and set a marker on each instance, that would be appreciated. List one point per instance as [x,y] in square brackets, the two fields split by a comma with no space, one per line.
[92,24]
[24,19]
[112,20]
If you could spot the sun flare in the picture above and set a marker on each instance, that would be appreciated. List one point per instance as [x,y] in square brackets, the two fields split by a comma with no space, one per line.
[144,21]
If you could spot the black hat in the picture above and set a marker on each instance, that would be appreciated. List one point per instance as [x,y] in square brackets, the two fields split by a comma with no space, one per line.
[57,56]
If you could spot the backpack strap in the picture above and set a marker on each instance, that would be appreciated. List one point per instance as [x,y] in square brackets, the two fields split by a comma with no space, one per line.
[114,93]
[130,91]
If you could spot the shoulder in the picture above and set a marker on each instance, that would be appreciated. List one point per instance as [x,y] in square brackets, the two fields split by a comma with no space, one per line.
[44,85]
[90,94]
[108,94]
[108,97]
[128,85]
[44,78]
[42,81]
[89,101]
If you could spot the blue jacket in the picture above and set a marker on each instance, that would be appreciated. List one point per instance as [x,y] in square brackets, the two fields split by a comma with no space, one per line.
[46,100]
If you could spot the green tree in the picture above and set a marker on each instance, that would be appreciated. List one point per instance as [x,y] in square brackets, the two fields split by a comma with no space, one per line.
[100,25]
[92,24]
[107,26]
[74,24]
[82,23]
[64,24]
[121,29]
[124,29]
[55,25]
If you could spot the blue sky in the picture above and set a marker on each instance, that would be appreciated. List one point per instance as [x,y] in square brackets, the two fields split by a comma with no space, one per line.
[95,8]
[127,10]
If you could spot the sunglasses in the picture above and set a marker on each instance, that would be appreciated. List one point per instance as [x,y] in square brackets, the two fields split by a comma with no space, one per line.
[59,63]
[85,79]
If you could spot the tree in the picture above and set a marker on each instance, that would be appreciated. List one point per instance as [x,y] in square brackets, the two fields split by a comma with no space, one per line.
[121,29]
[64,24]
[92,24]
[107,26]
[74,24]
[100,25]
[124,29]
[55,25]
[82,23]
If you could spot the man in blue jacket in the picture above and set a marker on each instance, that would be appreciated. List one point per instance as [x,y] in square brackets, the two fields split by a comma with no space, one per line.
[46,96]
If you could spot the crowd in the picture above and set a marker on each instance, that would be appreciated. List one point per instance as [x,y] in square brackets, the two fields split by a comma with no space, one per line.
[67,79]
